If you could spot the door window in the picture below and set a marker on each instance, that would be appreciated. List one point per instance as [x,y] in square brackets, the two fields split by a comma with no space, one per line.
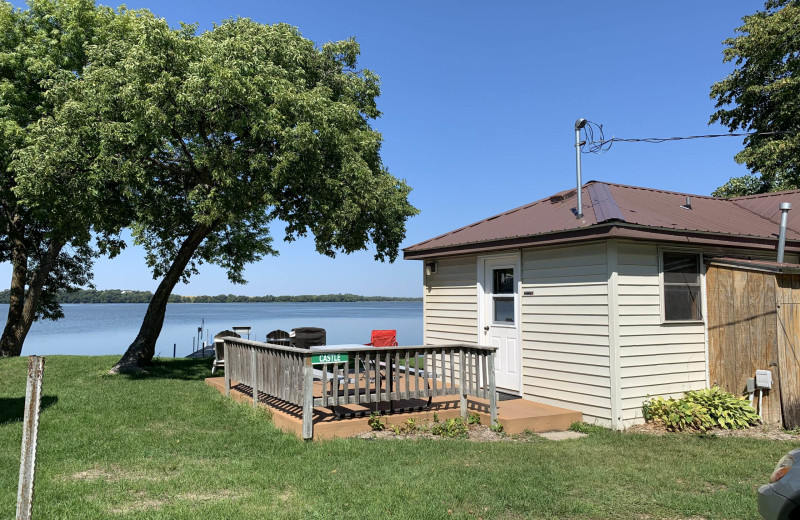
[503,296]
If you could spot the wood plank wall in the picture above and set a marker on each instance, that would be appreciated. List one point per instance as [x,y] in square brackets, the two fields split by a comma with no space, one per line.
[743,332]
[788,293]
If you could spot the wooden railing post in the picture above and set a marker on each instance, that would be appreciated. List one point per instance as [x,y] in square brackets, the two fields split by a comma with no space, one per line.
[254,374]
[492,389]
[228,368]
[308,399]
[462,382]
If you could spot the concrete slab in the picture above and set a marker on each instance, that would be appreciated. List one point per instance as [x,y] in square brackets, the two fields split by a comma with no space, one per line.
[562,436]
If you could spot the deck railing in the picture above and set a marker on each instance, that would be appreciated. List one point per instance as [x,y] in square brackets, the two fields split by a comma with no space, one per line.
[360,374]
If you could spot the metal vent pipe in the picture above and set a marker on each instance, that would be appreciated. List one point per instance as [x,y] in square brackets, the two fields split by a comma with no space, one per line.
[580,123]
[784,207]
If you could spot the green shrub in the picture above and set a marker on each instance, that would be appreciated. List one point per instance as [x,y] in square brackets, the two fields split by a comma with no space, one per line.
[725,409]
[375,422]
[474,418]
[582,427]
[451,428]
[497,427]
[701,410]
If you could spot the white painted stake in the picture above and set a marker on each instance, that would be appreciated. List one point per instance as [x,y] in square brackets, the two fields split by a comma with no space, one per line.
[30,434]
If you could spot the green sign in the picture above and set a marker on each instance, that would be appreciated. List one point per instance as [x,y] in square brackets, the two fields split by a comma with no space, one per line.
[321,359]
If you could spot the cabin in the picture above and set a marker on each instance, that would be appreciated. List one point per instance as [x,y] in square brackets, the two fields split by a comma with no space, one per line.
[639,292]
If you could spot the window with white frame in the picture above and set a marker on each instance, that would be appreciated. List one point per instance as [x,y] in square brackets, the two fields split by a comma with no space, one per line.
[681,291]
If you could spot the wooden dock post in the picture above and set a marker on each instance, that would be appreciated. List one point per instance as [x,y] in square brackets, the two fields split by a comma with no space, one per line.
[492,389]
[308,399]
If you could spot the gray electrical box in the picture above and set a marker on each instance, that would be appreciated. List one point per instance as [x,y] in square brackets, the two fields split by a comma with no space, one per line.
[763,379]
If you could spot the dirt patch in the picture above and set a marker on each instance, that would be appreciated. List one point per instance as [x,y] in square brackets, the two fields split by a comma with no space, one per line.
[93,474]
[141,502]
[115,473]
[756,432]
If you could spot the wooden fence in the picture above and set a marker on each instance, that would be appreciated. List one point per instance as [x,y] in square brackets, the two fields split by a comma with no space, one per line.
[366,375]
[754,324]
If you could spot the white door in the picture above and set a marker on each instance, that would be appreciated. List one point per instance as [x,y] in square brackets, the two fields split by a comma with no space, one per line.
[500,319]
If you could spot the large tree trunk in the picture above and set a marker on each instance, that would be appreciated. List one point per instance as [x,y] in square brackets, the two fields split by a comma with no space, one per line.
[140,353]
[12,338]
[23,304]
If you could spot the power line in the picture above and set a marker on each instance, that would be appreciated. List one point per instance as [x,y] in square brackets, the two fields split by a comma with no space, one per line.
[602,145]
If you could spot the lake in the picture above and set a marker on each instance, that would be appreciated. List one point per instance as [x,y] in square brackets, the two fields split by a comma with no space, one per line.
[108,328]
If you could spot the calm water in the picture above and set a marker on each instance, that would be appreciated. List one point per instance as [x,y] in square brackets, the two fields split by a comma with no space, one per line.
[96,329]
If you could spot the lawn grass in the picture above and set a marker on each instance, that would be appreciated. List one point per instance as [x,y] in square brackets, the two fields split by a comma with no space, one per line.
[166,446]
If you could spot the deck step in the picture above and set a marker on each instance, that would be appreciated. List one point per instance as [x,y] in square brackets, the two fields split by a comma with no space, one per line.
[516,415]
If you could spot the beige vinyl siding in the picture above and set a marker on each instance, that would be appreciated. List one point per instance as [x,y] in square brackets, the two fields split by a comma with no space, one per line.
[451,302]
[655,358]
[565,348]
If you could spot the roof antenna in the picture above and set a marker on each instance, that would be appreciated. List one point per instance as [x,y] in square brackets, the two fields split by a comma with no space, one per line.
[580,123]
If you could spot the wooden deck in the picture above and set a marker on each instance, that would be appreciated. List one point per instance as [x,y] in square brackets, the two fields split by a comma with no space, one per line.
[515,415]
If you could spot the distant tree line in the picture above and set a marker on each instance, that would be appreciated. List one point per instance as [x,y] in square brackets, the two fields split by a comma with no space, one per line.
[123,296]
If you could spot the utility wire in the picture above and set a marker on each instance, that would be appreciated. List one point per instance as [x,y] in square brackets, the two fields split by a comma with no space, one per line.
[601,145]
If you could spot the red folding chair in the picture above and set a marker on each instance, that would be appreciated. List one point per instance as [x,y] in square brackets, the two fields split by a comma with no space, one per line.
[383,338]
[388,338]
[380,338]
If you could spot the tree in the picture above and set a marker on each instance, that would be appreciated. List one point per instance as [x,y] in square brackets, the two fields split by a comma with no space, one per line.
[763,95]
[46,242]
[216,135]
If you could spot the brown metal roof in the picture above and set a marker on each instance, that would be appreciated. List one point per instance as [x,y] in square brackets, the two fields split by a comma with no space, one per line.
[758,265]
[741,219]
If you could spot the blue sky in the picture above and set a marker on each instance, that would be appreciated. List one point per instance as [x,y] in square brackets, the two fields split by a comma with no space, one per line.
[479,103]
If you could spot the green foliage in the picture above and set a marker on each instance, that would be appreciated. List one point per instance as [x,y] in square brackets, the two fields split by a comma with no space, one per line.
[224,131]
[741,186]
[763,95]
[435,417]
[676,414]
[474,418]
[497,427]
[45,233]
[212,136]
[455,427]
[375,422]
[582,427]
[725,409]
[409,427]
[701,410]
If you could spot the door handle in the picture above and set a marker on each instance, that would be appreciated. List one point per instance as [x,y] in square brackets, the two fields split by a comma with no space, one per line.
[486,328]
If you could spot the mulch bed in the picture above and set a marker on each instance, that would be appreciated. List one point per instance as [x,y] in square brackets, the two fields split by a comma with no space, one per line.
[755,432]
[477,432]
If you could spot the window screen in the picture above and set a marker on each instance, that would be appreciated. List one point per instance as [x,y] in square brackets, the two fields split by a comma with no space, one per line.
[681,286]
